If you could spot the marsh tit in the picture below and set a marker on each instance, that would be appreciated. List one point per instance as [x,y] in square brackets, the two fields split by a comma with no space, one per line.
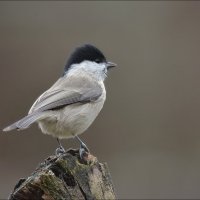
[71,105]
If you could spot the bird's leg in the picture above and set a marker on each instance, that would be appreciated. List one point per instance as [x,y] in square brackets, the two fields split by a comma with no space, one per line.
[83,148]
[61,149]
[83,145]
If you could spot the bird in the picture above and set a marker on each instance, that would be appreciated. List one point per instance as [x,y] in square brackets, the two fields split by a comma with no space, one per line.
[73,102]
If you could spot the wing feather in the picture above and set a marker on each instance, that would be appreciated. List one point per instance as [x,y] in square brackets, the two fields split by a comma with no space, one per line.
[64,92]
[55,98]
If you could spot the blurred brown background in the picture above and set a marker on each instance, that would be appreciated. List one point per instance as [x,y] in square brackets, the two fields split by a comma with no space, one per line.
[149,130]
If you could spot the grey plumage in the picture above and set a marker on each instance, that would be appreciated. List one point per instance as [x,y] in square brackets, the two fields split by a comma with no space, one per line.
[70,106]
[82,90]
[25,122]
[55,98]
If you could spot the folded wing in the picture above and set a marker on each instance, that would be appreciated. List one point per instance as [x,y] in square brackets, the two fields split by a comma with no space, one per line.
[61,94]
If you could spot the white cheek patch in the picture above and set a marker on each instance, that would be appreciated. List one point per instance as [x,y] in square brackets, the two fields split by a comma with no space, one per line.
[97,70]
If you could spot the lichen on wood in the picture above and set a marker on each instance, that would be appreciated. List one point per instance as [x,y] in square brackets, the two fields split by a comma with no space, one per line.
[66,176]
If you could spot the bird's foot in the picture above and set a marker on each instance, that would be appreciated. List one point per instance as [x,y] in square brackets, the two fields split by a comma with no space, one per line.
[60,150]
[83,151]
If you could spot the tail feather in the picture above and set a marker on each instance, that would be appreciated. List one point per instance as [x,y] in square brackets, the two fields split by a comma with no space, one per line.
[24,122]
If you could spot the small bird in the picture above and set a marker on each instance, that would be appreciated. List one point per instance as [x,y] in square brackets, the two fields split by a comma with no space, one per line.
[71,105]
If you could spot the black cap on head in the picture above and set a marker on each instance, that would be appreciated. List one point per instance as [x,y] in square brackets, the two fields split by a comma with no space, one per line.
[85,52]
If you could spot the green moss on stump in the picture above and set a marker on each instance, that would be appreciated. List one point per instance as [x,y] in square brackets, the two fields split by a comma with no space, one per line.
[67,177]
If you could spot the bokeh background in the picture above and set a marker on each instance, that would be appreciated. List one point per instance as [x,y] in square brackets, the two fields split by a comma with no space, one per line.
[149,129]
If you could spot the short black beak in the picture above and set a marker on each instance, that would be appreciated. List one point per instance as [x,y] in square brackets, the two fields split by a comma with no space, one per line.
[110,65]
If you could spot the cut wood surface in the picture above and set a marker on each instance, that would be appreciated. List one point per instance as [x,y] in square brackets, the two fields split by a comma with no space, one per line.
[66,176]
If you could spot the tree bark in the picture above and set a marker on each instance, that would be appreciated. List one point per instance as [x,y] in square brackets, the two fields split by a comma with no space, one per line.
[66,176]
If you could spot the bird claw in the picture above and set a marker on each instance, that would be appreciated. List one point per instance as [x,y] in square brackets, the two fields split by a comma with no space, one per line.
[83,151]
[60,150]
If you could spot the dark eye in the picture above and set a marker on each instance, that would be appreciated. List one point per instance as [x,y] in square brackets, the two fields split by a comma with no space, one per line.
[97,60]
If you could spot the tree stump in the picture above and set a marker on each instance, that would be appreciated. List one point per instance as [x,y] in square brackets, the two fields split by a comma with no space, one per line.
[66,176]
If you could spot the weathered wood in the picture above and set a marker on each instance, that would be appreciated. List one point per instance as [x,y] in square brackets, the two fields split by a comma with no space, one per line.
[66,176]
